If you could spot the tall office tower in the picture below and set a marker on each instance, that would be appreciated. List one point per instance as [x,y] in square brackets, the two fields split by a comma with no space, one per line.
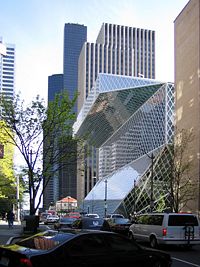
[74,37]
[7,69]
[64,182]
[118,50]
[55,85]
[51,192]
[187,84]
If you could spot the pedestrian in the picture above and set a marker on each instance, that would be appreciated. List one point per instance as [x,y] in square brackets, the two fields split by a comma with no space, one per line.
[10,218]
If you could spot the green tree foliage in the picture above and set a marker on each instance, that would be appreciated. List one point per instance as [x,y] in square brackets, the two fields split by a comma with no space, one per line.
[7,177]
[36,127]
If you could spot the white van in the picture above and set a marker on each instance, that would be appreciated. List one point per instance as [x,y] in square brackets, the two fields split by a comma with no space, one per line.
[166,228]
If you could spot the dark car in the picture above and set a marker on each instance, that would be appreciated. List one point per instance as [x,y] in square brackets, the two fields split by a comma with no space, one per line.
[64,222]
[80,248]
[91,223]
[119,225]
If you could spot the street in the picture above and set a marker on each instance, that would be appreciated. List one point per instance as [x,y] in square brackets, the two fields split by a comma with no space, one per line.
[181,256]
[184,258]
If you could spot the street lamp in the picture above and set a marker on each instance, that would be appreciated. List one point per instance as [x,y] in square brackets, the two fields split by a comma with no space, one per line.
[134,199]
[105,199]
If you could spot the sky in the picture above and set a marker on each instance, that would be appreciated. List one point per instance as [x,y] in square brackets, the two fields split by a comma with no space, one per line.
[36,27]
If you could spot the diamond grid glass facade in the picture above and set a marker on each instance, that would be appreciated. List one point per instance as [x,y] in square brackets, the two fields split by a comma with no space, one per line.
[127,120]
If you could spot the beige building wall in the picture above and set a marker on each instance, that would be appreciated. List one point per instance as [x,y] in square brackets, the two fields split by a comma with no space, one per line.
[187,73]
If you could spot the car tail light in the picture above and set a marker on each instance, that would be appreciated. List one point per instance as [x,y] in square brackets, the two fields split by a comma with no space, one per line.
[164,232]
[24,262]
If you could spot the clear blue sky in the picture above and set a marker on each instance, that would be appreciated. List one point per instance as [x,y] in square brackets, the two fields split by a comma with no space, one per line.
[36,27]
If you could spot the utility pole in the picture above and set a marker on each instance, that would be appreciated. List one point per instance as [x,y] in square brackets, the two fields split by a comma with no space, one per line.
[134,197]
[105,199]
[17,197]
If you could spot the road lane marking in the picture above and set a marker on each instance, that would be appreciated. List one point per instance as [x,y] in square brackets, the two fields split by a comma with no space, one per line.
[187,262]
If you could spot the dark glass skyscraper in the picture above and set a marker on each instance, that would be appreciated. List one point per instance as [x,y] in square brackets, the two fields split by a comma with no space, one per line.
[55,85]
[74,37]
[64,182]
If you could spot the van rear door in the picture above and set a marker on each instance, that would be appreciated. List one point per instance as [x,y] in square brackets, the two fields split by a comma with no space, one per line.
[180,225]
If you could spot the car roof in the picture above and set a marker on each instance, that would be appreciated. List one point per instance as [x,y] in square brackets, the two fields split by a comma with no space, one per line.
[91,219]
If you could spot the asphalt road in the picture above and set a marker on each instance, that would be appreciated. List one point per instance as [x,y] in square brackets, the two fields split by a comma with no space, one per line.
[184,257]
[181,257]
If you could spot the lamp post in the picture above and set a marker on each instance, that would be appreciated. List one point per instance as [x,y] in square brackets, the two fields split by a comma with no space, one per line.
[134,199]
[17,197]
[105,199]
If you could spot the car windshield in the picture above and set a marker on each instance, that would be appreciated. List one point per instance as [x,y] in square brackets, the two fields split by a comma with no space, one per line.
[121,220]
[93,223]
[182,220]
[117,216]
[45,241]
[67,220]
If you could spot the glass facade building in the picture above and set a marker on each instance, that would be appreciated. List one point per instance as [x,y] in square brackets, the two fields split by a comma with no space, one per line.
[74,37]
[7,69]
[120,50]
[55,85]
[126,120]
[63,183]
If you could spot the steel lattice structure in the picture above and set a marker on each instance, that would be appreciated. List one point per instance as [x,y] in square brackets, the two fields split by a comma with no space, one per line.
[127,120]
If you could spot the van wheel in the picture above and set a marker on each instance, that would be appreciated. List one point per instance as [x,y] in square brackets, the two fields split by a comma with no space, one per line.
[130,236]
[153,242]
[158,264]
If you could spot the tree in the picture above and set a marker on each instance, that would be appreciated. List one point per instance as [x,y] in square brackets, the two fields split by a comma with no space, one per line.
[7,175]
[181,185]
[34,127]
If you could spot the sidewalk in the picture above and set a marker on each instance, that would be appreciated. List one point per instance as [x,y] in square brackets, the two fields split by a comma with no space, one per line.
[6,231]
[18,228]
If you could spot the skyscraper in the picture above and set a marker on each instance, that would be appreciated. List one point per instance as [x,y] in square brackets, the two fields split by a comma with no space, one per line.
[7,69]
[120,50]
[74,37]
[187,71]
[63,183]
[55,85]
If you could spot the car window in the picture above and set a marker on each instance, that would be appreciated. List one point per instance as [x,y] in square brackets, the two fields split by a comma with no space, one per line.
[117,216]
[93,223]
[70,220]
[90,244]
[44,241]
[155,219]
[182,220]
[121,220]
[118,243]
[143,219]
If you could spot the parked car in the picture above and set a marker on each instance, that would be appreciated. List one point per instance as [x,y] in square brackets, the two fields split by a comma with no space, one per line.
[43,216]
[91,223]
[92,215]
[51,219]
[166,228]
[64,222]
[74,215]
[114,215]
[81,248]
[119,225]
